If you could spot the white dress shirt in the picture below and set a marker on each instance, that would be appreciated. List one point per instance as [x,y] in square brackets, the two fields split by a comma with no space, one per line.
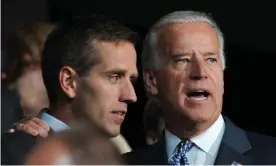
[206,144]
[55,124]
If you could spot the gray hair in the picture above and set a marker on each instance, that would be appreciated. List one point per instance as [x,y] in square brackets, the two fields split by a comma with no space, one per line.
[150,58]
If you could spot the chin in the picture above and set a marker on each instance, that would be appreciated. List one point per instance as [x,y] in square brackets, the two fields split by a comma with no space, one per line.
[113,135]
[113,132]
[202,117]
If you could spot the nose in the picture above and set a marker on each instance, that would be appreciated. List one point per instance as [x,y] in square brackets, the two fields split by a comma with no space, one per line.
[128,93]
[198,69]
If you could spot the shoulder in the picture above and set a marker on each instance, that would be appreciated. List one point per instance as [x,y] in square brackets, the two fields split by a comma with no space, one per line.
[15,146]
[260,147]
[262,141]
[256,140]
[17,136]
[18,140]
[263,148]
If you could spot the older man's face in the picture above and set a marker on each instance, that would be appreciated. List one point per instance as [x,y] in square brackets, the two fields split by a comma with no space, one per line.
[189,80]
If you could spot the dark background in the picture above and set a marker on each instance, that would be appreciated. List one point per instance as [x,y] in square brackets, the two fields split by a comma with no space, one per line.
[249,29]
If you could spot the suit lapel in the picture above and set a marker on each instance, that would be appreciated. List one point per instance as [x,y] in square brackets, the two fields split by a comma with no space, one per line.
[228,155]
[233,146]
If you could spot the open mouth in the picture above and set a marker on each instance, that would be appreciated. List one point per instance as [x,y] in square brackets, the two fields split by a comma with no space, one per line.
[119,113]
[122,113]
[119,116]
[198,95]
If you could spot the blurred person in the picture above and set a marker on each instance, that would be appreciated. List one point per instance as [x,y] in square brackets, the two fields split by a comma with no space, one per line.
[183,63]
[24,51]
[88,68]
[23,92]
[11,110]
[153,121]
[82,145]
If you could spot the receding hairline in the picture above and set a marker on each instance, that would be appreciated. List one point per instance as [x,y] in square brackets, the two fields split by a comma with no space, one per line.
[161,26]
[165,27]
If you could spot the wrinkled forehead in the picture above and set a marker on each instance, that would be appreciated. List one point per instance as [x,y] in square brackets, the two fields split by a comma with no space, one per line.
[181,35]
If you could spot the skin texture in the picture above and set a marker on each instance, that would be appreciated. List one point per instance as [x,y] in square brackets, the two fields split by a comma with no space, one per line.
[108,88]
[100,95]
[189,55]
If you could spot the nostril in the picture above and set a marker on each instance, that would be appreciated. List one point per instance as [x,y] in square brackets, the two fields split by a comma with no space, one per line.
[197,77]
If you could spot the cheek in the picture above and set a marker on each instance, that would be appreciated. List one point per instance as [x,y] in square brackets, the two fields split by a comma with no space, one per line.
[171,84]
[101,102]
[218,83]
[98,108]
[180,84]
[106,100]
[91,100]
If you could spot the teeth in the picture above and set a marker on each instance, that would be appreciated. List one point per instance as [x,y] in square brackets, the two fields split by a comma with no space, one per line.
[199,98]
[120,113]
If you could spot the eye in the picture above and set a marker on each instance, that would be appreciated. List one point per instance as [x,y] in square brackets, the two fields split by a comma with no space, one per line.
[212,60]
[113,78]
[185,60]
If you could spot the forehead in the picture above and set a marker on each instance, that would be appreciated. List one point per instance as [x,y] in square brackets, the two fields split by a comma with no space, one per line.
[121,55]
[188,36]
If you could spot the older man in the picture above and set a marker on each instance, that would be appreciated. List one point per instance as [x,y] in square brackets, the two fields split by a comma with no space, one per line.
[183,63]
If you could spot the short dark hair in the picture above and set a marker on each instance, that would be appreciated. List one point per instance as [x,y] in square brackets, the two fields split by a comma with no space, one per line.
[71,44]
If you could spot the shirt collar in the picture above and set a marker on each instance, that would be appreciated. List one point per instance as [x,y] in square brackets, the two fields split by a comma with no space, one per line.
[55,124]
[204,141]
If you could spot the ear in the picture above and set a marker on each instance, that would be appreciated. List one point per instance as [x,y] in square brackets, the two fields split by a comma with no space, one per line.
[150,82]
[68,82]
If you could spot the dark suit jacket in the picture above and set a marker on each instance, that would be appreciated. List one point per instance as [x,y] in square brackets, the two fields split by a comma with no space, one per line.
[11,110]
[15,146]
[244,147]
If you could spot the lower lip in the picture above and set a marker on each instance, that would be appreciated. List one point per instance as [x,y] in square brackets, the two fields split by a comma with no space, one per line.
[119,117]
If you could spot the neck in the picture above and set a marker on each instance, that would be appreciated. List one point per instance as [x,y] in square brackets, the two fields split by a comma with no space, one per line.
[63,112]
[186,128]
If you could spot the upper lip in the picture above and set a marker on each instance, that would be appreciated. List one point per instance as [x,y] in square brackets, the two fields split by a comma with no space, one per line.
[189,90]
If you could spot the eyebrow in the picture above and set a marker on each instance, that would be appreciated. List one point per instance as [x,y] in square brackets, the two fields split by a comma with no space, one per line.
[178,55]
[183,54]
[115,70]
[210,53]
